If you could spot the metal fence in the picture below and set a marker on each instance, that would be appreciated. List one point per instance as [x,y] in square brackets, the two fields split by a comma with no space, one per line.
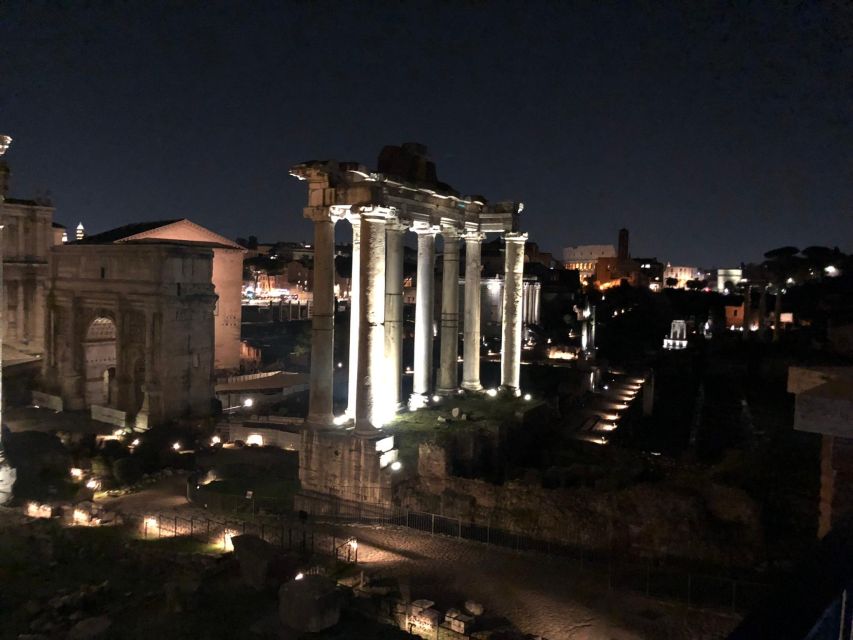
[654,577]
[220,534]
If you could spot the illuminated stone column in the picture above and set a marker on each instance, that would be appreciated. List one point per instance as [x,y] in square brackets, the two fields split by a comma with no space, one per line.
[354,316]
[448,379]
[511,329]
[471,328]
[424,316]
[322,322]
[394,310]
[370,405]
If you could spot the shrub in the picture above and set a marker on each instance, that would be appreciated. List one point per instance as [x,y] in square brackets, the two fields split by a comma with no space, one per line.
[127,470]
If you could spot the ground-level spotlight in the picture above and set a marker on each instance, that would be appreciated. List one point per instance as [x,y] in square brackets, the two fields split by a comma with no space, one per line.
[396,465]
[215,440]
[491,392]
[135,442]
[228,539]
[340,365]
[299,576]
[248,402]
[528,397]
[436,398]
[93,484]
[341,419]
[76,473]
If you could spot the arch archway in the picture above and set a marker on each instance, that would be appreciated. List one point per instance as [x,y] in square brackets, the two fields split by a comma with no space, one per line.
[99,360]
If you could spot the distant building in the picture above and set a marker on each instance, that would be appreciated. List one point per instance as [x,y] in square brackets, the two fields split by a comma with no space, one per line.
[651,272]
[725,276]
[27,236]
[227,275]
[682,274]
[584,258]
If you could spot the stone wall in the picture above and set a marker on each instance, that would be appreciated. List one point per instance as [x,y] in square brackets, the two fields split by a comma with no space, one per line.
[343,466]
[711,523]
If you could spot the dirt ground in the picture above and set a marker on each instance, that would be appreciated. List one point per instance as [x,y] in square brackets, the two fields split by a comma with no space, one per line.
[538,594]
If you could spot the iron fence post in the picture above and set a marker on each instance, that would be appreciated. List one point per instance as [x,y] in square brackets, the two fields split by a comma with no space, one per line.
[688,590]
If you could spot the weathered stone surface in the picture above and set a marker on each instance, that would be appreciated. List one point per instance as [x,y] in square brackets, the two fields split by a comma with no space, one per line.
[89,628]
[310,604]
[256,557]
[474,608]
[181,595]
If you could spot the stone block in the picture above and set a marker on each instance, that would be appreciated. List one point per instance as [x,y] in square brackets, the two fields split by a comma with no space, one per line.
[311,604]
[474,608]
[256,557]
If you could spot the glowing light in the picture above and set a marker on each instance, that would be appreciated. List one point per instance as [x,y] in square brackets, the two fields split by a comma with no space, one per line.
[215,440]
[831,270]
[176,446]
[353,544]
[341,419]
[93,484]
[299,576]
[255,439]
[436,398]
[135,443]
[248,402]
[491,392]
[605,387]
[396,465]
[80,517]
[228,539]
[76,473]
[36,510]
[494,286]
[528,397]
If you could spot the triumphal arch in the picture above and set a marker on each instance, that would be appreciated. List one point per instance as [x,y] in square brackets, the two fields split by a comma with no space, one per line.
[130,329]
[403,195]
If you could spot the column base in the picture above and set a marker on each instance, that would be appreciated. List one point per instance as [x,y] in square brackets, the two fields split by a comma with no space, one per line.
[448,392]
[513,392]
[472,386]
[418,401]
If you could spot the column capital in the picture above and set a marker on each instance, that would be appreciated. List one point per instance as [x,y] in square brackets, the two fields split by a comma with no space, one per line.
[374,214]
[425,229]
[516,237]
[474,236]
[450,232]
[324,214]
[395,225]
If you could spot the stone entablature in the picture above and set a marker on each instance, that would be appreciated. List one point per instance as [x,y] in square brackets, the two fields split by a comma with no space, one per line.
[159,297]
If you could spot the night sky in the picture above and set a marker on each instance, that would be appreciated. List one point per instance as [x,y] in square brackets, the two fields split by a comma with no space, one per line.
[713,133]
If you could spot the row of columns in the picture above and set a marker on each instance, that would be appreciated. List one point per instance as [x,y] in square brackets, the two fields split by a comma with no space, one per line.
[376,320]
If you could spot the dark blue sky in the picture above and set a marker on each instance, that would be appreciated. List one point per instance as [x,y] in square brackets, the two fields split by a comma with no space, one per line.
[713,133]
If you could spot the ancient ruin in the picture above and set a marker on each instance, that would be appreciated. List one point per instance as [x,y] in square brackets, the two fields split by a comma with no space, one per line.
[130,330]
[381,206]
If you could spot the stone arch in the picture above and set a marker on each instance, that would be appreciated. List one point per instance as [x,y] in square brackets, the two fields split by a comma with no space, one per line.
[100,349]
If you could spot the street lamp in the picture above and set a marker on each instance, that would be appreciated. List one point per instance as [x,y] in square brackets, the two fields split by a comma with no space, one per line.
[5,141]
